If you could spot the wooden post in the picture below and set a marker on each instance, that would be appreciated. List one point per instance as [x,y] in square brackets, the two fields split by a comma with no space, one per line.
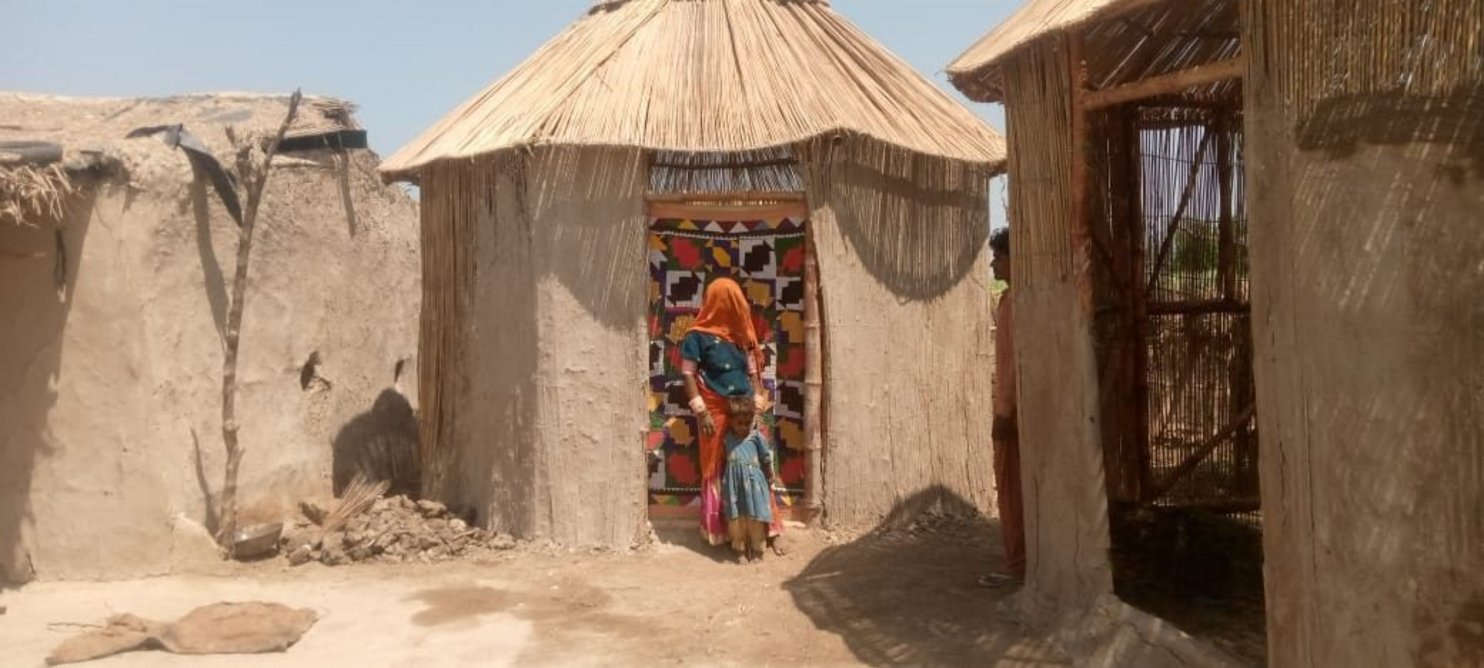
[1226,265]
[813,379]
[1135,389]
[1081,225]
[257,180]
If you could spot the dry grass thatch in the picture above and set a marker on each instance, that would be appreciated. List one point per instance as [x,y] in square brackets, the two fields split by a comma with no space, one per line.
[976,72]
[1125,41]
[721,76]
[31,195]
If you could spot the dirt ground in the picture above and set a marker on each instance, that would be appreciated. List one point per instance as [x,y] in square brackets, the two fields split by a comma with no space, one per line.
[907,597]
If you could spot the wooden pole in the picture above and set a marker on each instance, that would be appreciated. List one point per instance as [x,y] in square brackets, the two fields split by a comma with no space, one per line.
[1081,224]
[728,197]
[1226,264]
[1200,307]
[1185,196]
[227,526]
[1202,451]
[1165,84]
[1135,388]
[813,379]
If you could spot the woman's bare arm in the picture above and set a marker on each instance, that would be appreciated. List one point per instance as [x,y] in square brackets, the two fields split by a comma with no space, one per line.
[692,393]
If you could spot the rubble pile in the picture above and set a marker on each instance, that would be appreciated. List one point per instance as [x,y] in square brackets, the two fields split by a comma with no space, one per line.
[394,530]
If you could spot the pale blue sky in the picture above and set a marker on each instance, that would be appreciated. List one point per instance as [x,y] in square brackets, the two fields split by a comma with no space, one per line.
[403,63]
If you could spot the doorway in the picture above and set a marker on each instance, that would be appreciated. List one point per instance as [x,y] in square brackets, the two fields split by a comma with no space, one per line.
[763,246]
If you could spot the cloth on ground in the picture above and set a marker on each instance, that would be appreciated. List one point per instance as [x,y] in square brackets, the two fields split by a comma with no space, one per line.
[220,628]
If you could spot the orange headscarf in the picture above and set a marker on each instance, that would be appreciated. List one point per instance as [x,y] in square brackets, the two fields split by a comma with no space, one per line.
[725,312]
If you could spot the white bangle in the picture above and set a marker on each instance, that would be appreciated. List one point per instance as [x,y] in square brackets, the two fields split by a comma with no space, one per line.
[698,406]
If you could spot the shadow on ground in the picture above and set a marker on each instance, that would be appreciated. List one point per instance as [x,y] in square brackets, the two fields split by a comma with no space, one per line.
[907,592]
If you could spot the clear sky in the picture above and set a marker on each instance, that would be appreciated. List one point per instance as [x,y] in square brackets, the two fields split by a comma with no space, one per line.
[403,63]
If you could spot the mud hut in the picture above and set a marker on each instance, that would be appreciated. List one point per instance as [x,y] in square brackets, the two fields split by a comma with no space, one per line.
[116,259]
[1349,135]
[573,210]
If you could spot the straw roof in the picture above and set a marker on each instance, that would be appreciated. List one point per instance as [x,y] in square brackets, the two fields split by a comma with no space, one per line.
[707,76]
[976,71]
[92,132]
[1124,41]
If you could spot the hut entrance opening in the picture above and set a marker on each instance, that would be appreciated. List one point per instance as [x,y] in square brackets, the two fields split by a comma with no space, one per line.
[742,217]
[1166,204]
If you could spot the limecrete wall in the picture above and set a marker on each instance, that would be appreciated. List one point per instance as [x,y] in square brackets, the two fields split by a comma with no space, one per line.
[1366,189]
[110,387]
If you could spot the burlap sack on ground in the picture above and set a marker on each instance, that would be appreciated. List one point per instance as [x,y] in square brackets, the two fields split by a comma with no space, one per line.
[221,628]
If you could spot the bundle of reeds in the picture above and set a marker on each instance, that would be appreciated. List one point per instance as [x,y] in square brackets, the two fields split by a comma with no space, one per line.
[30,195]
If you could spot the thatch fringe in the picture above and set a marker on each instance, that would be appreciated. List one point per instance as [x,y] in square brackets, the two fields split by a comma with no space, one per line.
[31,195]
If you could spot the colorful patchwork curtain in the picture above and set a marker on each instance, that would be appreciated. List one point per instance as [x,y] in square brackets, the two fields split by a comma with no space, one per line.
[767,258]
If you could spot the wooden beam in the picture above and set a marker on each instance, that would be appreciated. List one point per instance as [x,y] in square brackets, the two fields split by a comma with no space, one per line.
[756,164]
[1165,84]
[1202,451]
[1200,307]
[757,196]
[1243,504]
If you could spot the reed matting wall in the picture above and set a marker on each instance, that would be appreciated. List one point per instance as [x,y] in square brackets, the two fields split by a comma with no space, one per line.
[1060,443]
[534,370]
[901,240]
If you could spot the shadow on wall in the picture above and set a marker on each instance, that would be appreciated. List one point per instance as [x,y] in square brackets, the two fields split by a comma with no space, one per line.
[1342,124]
[904,601]
[381,444]
[918,226]
[590,203]
[211,267]
[38,273]
[1373,281]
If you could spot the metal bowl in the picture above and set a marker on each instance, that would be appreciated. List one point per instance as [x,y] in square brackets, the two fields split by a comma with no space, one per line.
[258,540]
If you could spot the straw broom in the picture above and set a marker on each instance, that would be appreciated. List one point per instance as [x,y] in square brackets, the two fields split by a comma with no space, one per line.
[359,496]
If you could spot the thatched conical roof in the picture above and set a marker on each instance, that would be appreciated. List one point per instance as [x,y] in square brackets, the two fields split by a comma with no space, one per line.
[706,76]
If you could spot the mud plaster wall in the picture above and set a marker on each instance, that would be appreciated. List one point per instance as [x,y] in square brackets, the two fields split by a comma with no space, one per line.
[1060,447]
[903,272]
[110,390]
[543,378]
[1368,317]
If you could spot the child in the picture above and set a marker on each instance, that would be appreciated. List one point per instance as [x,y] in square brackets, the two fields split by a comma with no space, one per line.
[747,483]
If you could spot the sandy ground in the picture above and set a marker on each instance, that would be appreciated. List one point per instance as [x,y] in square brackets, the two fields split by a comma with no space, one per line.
[903,598]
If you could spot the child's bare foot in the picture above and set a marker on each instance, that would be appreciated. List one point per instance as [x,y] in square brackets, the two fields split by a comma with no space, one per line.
[780,545]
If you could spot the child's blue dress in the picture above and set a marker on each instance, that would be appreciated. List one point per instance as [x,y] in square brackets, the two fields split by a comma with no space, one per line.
[744,488]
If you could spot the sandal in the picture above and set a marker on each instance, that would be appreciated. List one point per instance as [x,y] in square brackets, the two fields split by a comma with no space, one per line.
[999,581]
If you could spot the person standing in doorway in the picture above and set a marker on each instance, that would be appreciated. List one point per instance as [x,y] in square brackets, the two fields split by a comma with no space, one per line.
[720,361]
[1006,430]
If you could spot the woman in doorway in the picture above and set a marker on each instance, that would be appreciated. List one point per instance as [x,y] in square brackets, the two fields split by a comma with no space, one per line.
[720,360]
